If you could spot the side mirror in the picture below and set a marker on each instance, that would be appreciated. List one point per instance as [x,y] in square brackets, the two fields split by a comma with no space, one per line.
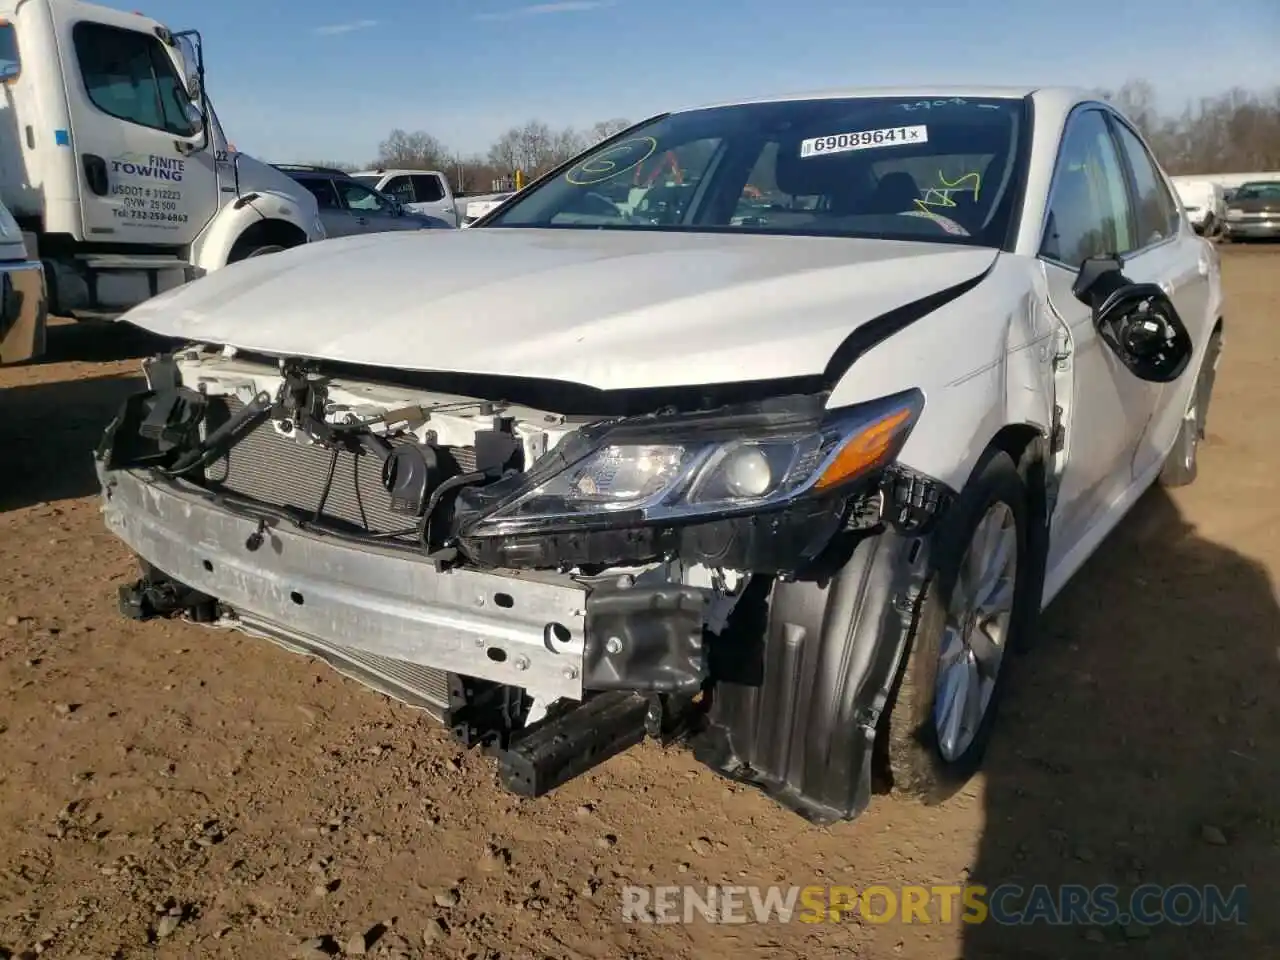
[1137,321]
[9,71]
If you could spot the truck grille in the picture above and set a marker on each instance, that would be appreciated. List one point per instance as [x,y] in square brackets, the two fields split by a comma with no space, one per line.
[278,471]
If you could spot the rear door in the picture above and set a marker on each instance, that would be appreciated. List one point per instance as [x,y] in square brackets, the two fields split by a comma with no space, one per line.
[1091,213]
[431,197]
[135,132]
[421,193]
[1180,261]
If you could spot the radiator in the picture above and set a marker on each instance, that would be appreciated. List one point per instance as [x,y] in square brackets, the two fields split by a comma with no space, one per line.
[276,470]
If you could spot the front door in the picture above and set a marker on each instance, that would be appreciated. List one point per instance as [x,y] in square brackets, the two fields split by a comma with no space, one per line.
[1090,213]
[145,173]
[370,211]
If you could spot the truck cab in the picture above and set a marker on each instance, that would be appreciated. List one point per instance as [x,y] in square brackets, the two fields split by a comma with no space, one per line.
[422,191]
[114,164]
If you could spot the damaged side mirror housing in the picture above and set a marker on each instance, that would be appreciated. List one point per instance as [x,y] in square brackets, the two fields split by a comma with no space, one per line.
[1137,321]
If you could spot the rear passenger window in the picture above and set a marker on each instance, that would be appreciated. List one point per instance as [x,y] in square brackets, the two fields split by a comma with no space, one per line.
[400,189]
[427,189]
[1089,211]
[1157,211]
[324,193]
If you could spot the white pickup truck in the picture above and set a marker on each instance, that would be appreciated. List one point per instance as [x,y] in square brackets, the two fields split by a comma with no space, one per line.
[422,191]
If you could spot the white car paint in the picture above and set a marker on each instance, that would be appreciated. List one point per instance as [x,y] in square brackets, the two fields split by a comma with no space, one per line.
[623,309]
[710,309]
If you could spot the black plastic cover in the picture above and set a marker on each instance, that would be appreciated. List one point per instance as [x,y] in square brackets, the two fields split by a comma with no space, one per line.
[656,636]
[409,473]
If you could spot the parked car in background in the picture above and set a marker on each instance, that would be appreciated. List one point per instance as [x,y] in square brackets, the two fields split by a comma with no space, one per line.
[422,191]
[788,474]
[1205,203]
[477,207]
[1254,211]
[23,296]
[348,206]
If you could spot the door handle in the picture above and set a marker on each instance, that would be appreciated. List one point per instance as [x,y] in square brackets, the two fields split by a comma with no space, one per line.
[363,221]
[95,173]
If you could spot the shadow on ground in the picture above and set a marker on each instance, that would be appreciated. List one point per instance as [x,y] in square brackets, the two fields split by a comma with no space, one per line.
[48,434]
[98,342]
[1142,746]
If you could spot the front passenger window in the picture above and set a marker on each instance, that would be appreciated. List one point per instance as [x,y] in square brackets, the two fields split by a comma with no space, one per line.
[359,197]
[1089,211]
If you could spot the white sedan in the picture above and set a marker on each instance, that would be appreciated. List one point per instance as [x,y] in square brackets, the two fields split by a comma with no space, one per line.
[778,426]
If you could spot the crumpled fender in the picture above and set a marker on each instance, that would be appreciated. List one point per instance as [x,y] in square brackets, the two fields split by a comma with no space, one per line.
[803,728]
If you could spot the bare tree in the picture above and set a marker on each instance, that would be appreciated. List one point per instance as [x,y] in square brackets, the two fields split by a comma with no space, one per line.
[1235,132]
[534,148]
[603,129]
[413,151]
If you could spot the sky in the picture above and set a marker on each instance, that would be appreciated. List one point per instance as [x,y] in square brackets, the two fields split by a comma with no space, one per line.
[325,80]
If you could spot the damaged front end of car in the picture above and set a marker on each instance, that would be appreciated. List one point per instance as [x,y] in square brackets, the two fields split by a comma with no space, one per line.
[554,580]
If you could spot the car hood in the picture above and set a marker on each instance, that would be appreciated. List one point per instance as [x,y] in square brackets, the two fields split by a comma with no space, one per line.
[608,309]
[1257,205]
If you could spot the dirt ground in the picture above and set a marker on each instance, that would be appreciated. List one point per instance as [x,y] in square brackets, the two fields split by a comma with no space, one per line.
[171,789]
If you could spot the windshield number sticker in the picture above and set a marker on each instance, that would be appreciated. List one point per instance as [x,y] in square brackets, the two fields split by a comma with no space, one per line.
[863,140]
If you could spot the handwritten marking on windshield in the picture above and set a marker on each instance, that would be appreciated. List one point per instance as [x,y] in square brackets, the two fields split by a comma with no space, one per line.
[609,163]
[930,104]
[940,196]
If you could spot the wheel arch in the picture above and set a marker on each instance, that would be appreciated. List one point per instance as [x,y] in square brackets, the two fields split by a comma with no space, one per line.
[269,232]
[212,250]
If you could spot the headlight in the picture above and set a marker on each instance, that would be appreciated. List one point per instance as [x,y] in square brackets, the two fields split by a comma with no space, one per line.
[1234,213]
[693,468]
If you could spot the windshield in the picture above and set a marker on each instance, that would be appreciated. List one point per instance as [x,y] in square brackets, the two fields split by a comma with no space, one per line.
[894,168]
[1261,190]
[369,181]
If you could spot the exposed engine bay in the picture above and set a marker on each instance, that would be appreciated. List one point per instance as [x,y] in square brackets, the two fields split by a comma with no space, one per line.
[500,565]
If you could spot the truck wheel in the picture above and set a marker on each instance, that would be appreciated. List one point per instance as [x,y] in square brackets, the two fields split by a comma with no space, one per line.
[976,604]
[1182,465]
[261,251]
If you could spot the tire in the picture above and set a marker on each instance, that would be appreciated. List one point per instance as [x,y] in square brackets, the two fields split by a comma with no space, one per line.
[1182,465]
[924,763]
[261,251]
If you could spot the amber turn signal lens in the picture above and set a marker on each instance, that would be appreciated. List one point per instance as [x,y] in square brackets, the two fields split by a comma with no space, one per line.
[864,450]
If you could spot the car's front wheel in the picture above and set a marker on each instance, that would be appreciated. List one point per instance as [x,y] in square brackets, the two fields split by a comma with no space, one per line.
[976,605]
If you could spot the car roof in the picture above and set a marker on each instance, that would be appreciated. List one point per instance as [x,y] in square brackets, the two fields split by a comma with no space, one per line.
[394,172]
[1056,97]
